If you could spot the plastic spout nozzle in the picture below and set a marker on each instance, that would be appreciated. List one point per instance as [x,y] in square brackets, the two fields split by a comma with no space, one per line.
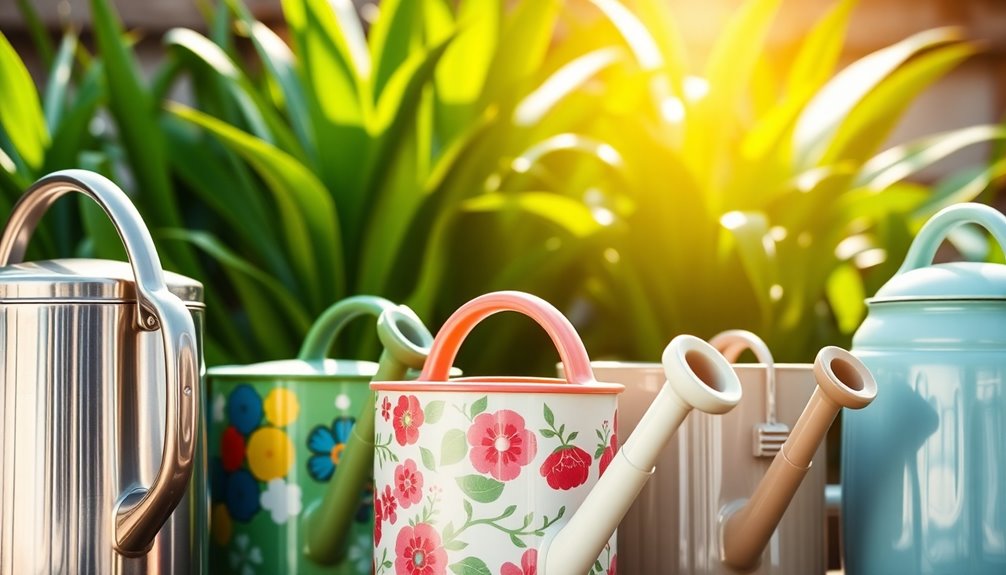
[698,377]
[843,381]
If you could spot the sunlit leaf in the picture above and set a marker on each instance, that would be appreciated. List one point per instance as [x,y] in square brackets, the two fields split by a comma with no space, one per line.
[828,109]
[846,295]
[21,113]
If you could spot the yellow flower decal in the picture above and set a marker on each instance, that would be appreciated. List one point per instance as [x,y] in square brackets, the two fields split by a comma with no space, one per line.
[281,407]
[220,522]
[270,453]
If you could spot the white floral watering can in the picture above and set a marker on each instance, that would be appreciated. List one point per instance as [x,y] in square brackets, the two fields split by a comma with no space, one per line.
[519,475]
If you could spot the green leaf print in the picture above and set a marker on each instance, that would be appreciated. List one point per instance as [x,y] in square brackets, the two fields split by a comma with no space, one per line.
[434,411]
[470,566]
[480,488]
[428,461]
[454,447]
[479,406]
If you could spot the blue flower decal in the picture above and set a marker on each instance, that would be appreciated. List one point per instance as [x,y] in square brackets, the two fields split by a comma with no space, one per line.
[327,444]
[242,497]
[244,408]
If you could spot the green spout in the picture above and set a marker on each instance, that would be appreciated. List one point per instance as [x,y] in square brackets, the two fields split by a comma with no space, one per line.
[406,344]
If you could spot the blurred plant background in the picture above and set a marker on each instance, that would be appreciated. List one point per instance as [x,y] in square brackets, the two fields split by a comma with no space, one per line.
[435,150]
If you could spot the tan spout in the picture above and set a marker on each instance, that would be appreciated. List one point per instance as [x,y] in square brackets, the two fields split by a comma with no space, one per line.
[698,377]
[843,381]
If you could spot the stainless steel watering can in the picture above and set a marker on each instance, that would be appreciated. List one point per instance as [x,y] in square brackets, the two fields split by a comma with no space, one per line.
[924,470]
[100,398]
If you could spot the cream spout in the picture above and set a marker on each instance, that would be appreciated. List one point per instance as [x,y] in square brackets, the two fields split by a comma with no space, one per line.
[843,381]
[698,377]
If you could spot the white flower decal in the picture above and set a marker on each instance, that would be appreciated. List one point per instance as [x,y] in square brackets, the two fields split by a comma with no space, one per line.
[282,499]
[342,401]
[219,408]
[244,557]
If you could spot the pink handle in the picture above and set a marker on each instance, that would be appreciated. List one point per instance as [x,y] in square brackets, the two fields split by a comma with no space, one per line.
[574,358]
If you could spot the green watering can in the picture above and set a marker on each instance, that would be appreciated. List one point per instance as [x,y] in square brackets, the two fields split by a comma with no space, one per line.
[291,449]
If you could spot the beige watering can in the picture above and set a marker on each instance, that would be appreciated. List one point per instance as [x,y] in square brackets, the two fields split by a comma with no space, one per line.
[506,474]
[742,492]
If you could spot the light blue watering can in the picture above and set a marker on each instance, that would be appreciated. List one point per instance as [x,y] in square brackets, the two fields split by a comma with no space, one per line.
[924,469]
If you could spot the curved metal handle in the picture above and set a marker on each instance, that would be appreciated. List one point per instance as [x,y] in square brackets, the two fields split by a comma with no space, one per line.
[932,234]
[573,355]
[732,343]
[141,511]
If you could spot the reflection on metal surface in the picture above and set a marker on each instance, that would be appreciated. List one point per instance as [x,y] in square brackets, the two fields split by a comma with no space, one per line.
[101,437]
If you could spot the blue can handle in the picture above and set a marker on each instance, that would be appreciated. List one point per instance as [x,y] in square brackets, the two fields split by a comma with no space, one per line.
[932,234]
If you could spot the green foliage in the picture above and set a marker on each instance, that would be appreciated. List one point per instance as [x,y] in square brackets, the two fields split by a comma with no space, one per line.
[461,147]
[760,203]
[341,163]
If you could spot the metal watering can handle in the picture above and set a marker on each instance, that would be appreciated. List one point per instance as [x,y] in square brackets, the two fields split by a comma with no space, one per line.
[406,344]
[576,364]
[770,435]
[141,511]
[932,234]
[732,343]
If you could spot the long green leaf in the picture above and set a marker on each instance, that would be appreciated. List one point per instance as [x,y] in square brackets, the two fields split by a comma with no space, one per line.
[137,128]
[399,165]
[826,112]
[239,270]
[902,161]
[326,39]
[280,62]
[307,212]
[39,35]
[465,67]
[820,51]
[263,121]
[812,67]
[71,136]
[224,184]
[658,18]
[866,127]
[395,35]
[54,101]
[526,34]
[567,214]
[21,113]
[753,243]
[564,81]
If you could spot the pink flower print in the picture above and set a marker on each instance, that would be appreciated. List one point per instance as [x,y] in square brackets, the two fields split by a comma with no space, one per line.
[378,519]
[386,409]
[408,416]
[390,505]
[612,569]
[408,484]
[419,551]
[528,565]
[501,445]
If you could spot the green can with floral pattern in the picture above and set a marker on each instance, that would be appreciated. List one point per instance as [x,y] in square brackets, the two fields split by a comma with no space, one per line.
[291,454]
